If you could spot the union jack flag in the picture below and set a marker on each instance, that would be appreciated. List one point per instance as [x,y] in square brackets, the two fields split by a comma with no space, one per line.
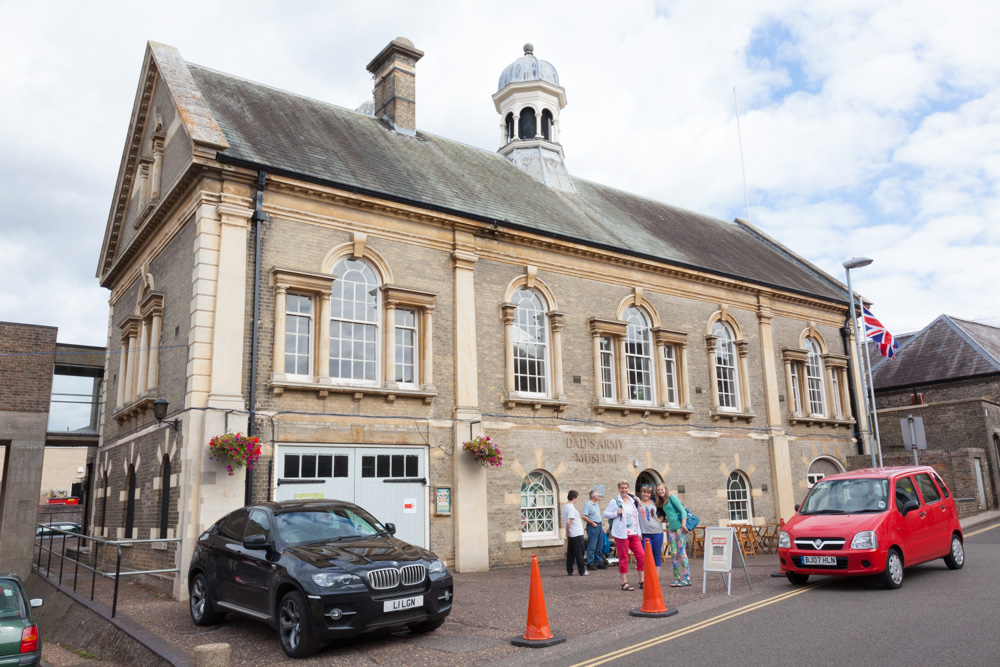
[878,333]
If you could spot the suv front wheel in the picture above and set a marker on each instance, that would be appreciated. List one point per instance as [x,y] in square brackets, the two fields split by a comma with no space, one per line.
[295,626]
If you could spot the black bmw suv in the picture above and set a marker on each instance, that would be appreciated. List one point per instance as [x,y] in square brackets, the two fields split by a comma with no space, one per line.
[315,570]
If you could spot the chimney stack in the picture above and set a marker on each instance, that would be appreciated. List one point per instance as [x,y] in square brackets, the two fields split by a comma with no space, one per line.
[394,69]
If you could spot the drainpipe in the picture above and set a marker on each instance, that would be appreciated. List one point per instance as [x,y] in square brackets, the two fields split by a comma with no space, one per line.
[845,333]
[258,218]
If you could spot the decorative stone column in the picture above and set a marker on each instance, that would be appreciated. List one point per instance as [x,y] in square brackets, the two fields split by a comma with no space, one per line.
[156,324]
[556,322]
[389,340]
[143,358]
[710,344]
[278,349]
[507,313]
[322,366]
[427,368]
[157,174]
[471,505]
[742,348]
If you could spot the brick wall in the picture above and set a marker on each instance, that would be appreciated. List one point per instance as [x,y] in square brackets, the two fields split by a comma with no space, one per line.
[27,360]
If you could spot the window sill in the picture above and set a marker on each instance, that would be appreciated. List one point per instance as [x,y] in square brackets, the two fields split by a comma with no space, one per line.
[718,414]
[323,389]
[133,409]
[558,404]
[646,410]
[546,541]
[820,421]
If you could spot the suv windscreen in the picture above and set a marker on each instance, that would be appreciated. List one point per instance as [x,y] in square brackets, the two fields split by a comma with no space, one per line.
[328,523]
[847,496]
[11,600]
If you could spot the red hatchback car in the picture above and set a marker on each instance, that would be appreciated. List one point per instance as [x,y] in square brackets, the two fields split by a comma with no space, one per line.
[872,522]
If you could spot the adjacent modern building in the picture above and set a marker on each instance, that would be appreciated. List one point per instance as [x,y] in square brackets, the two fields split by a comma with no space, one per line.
[365,297]
[947,375]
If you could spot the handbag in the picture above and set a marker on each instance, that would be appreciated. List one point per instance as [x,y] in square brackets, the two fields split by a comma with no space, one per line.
[692,521]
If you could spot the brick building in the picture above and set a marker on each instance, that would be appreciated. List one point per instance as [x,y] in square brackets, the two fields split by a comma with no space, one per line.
[948,374]
[410,293]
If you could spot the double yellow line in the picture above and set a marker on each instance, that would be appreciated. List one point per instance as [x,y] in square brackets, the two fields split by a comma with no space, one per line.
[614,655]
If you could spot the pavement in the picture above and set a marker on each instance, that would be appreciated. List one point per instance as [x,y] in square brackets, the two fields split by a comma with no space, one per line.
[490,609]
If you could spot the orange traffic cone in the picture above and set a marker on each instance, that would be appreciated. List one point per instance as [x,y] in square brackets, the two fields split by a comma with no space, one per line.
[652,597]
[537,634]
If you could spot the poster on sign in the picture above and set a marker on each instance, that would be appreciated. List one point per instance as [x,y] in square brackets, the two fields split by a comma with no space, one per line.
[442,504]
[718,549]
[409,505]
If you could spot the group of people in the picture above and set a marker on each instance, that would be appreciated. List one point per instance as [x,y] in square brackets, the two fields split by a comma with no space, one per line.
[633,520]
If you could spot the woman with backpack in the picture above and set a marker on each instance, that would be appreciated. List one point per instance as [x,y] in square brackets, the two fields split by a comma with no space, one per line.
[625,529]
[671,509]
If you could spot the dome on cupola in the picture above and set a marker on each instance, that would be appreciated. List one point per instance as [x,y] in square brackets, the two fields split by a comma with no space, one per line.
[528,68]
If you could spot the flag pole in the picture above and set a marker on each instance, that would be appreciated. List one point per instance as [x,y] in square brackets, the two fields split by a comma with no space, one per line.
[874,412]
[848,265]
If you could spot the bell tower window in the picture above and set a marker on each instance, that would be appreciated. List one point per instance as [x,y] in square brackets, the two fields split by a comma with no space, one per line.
[526,124]
[509,123]
[547,125]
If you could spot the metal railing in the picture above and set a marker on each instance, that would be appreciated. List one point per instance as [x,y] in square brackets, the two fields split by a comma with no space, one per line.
[66,536]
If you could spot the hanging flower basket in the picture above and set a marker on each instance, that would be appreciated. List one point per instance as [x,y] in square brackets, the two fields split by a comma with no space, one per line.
[486,451]
[235,450]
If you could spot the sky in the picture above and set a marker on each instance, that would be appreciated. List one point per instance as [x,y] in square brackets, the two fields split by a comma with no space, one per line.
[868,129]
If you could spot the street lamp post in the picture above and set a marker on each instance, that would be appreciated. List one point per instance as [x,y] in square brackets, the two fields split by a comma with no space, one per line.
[856,263]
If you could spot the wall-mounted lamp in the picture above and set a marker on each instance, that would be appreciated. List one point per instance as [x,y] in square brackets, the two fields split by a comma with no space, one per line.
[160,411]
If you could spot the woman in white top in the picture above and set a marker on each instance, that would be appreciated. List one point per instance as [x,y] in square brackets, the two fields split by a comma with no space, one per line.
[625,530]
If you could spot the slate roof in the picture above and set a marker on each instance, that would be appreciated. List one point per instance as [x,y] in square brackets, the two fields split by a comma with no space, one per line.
[330,144]
[946,349]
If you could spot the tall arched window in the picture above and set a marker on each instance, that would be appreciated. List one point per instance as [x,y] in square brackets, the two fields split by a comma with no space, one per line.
[509,123]
[355,322]
[726,377]
[538,505]
[638,356]
[526,124]
[104,504]
[130,503]
[738,496]
[547,124]
[164,497]
[814,377]
[531,343]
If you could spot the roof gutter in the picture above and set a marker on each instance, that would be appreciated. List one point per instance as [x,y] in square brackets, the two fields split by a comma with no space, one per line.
[257,166]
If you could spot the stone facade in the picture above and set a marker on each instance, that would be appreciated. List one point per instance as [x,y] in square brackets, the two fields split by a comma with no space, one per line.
[193,250]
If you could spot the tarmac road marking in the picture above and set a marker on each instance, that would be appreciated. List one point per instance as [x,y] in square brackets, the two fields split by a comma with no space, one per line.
[983,530]
[600,660]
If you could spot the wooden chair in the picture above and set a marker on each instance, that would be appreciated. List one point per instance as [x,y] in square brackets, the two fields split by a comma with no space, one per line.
[697,541]
[745,537]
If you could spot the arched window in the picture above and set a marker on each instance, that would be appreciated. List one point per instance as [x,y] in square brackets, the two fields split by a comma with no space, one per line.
[814,377]
[165,497]
[738,496]
[526,124]
[650,477]
[822,467]
[509,123]
[547,124]
[726,377]
[130,504]
[104,505]
[538,505]
[355,322]
[531,342]
[638,356]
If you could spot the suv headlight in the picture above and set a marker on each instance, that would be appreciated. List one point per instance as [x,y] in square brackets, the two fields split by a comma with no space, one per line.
[784,540]
[437,567]
[865,540]
[335,579]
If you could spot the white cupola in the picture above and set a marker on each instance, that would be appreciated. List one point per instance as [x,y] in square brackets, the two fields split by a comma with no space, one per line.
[529,99]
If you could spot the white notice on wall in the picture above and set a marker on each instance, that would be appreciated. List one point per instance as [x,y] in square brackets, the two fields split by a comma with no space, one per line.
[409,505]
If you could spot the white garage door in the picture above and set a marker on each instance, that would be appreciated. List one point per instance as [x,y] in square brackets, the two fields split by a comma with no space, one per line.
[388,482]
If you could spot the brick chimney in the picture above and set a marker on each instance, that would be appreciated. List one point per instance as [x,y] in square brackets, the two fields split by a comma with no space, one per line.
[395,73]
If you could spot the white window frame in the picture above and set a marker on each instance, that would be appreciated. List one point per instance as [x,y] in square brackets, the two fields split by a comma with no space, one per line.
[531,341]
[346,269]
[538,484]
[670,375]
[639,363]
[400,347]
[725,351]
[815,380]
[309,334]
[738,500]
[608,380]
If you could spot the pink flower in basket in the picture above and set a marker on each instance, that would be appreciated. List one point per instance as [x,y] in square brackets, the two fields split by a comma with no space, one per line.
[235,450]
[485,450]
